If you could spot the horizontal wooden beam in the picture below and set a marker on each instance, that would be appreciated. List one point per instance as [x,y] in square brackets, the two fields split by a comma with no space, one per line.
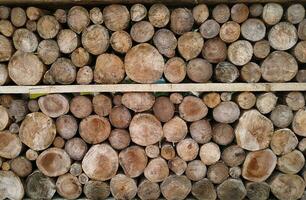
[183,87]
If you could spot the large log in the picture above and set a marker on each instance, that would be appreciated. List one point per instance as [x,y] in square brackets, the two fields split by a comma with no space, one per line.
[18,16]
[291,163]
[258,191]
[120,117]
[209,29]
[163,109]
[281,116]
[187,149]
[283,36]
[66,126]
[181,20]
[226,112]
[222,134]
[159,15]
[239,12]
[214,50]
[121,41]
[209,153]
[233,155]
[272,13]
[221,13]
[190,45]
[175,70]
[48,51]
[81,106]
[25,40]
[96,16]
[11,186]
[80,57]
[175,187]
[142,31]
[199,70]
[283,141]
[47,27]
[217,173]
[67,41]
[78,19]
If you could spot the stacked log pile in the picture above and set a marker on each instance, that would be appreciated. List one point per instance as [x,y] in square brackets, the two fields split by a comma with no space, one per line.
[152,145]
[138,44]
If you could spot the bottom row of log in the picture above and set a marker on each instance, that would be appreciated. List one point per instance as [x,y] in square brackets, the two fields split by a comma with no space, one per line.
[227,146]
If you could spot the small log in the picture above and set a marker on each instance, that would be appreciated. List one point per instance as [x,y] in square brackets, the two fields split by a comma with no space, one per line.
[18,16]
[196,170]
[6,28]
[96,190]
[259,165]
[14,128]
[281,116]
[302,30]
[102,105]
[209,153]
[81,106]
[221,13]
[121,41]
[167,151]
[58,142]
[123,187]
[177,165]
[5,118]
[214,50]
[119,139]
[117,100]
[266,102]
[4,12]
[235,172]
[142,31]
[152,151]
[246,100]
[253,30]
[25,40]
[212,99]
[291,163]
[230,32]
[176,98]
[283,36]
[148,190]
[165,42]
[240,52]
[78,19]
[96,16]
[187,149]
[163,109]
[175,70]
[76,169]
[80,57]
[68,186]
[226,72]
[209,29]
[18,110]
[109,69]
[60,15]
[6,166]
[10,145]
[190,45]
[181,20]
[48,51]
[145,129]
[133,161]
[76,148]
[66,126]
[120,117]
[217,173]
[63,71]
[295,13]
[67,41]
[222,134]
[231,189]
[53,105]
[250,73]
[272,13]
[301,76]
[256,10]
[226,112]
[6,50]
[138,12]
[199,70]
[239,12]
[90,36]
[11,186]
[84,75]
[299,51]
[83,178]
[116,17]
[37,131]
[39,186]
[302,146]
[31,155]
[6,100]
[201,131]
[192,109]
[147,70]
[204,189]
[138,101]
[261,49]
[156,170]
[286,186]
[298,124]
[175,187]
[48,27]
[258,191]
[33,105]
[233,155]
[200,13]
[31,25]
[226,96]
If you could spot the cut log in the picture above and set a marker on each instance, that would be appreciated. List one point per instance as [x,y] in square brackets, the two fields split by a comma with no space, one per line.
[109,69]
[190,45]
[256,9]
[163,109]
[6,166]
[5,118]
[240,52]
[187,149]
[14,128]
[119,139]
[212,99]
[6,100]
[48,27]
[201,131]
[261,49]
[298,124]
[147,70]
[6,28]
[96,16]
[34,13]
[258,191]
[226,96]
[217,173]
[138,101]
[286,186]
[204,189]
[167,151]
[102,105]
[199,70]
[78,19]
[233,155]
[18,16]
[272,13]
[66,126]
[95,39]
[121,41]
[31,155]
[18,110]
[295,13]
[123,187]
[196,170]
[175,187]
[283,141]
[33,105]
[259,165]
[231,189]
[80,57]
[266,102]
[117,100]
[11,186]
[283,36]
[142,31]
[67,41]
[53,105]
[181,20]
[6,50]
[48,51]
[10,145]
[76,148]
[68,186]
[177,165]
[37,131]
[221,13]
[152,151]
[226,112]
[230,32]
[120,117]
[5,12]
[175,70]
[25,40]
[222,134]
[250,72]
[281,116]
[246,100]
[81,106]
[299,51]
[235,172]
[60,15]
[200,13]
[176,98]
[291,163]
[253,30]
[156,170]
[239,12]
[302,30]
[58,142]
[145,129]
[301,76]
[165,42]
[83,178]
[302,146]
[63,71]
[84,75]
[39,186]
[133,161]
[192,109]
[96,190]
[138,12]
[31,25]
[76,169]
[209,153]
[226,72]
[148,190]
[116,17]
[209,29]
[214,50]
